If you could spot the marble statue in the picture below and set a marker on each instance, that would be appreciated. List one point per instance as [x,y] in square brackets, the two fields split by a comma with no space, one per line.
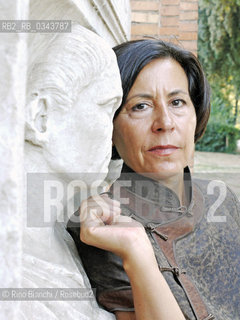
[73,90]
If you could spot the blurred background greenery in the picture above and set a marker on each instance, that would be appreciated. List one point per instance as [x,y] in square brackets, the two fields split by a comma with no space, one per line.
[219,52]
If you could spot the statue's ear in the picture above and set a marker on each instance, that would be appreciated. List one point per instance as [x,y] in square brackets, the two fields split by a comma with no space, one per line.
[36,120]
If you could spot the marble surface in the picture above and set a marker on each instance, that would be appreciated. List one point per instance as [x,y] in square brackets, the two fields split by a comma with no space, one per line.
[73,91]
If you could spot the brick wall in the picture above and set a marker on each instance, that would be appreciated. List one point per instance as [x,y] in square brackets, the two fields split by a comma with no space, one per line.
[172,20]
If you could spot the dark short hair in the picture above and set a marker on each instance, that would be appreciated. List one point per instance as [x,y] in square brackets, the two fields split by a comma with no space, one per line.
[133,56]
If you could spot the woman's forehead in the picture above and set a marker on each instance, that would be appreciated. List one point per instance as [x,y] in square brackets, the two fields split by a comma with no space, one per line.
[160,74]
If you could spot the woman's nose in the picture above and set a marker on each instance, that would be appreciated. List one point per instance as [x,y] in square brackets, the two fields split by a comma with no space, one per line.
[162,119]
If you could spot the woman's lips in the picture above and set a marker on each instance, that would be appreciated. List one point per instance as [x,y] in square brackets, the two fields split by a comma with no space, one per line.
[163,150]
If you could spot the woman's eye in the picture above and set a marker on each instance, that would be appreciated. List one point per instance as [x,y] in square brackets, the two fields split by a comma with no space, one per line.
[140,107]
[178,103]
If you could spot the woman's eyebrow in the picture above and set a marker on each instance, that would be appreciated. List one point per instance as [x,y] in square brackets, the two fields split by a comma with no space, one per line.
[176,92]
[149,96]
[140,95]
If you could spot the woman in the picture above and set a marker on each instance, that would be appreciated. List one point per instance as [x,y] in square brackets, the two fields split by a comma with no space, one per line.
[163,254]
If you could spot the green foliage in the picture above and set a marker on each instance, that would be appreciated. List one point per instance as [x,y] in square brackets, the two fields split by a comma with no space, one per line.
[221,105]
[219,138]
[219,36]
[219,52]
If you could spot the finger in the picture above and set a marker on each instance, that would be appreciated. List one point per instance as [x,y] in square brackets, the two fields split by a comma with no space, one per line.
[89,227]
[104,213]
[99,201]
[122,219]
[102,205]
[109,200]
[126,221]
[92,219]
[106,198]
[89,204]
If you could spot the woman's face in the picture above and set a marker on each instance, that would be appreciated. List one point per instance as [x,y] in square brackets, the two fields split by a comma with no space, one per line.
[154,132]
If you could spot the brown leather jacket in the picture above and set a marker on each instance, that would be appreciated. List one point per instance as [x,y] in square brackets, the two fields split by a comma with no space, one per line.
[197,247]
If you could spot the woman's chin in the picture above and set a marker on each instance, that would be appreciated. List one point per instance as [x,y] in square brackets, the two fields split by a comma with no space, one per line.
[165,169]
[163,173]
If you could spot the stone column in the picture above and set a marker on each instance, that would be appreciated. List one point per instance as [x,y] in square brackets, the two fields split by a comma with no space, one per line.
[12,94]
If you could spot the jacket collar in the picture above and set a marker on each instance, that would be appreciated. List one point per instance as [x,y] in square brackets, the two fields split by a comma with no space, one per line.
[150,200]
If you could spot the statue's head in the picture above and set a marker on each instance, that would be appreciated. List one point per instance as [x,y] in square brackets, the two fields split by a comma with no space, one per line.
[73,90]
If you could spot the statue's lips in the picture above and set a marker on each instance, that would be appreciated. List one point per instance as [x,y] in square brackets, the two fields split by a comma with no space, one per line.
[163,150]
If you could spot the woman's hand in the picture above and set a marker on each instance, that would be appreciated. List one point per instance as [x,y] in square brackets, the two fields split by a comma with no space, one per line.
[103,226]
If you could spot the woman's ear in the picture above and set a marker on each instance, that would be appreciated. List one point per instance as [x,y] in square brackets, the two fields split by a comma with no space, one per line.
[36,120]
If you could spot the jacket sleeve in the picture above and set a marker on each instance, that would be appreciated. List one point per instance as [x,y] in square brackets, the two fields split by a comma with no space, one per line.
[106,274]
